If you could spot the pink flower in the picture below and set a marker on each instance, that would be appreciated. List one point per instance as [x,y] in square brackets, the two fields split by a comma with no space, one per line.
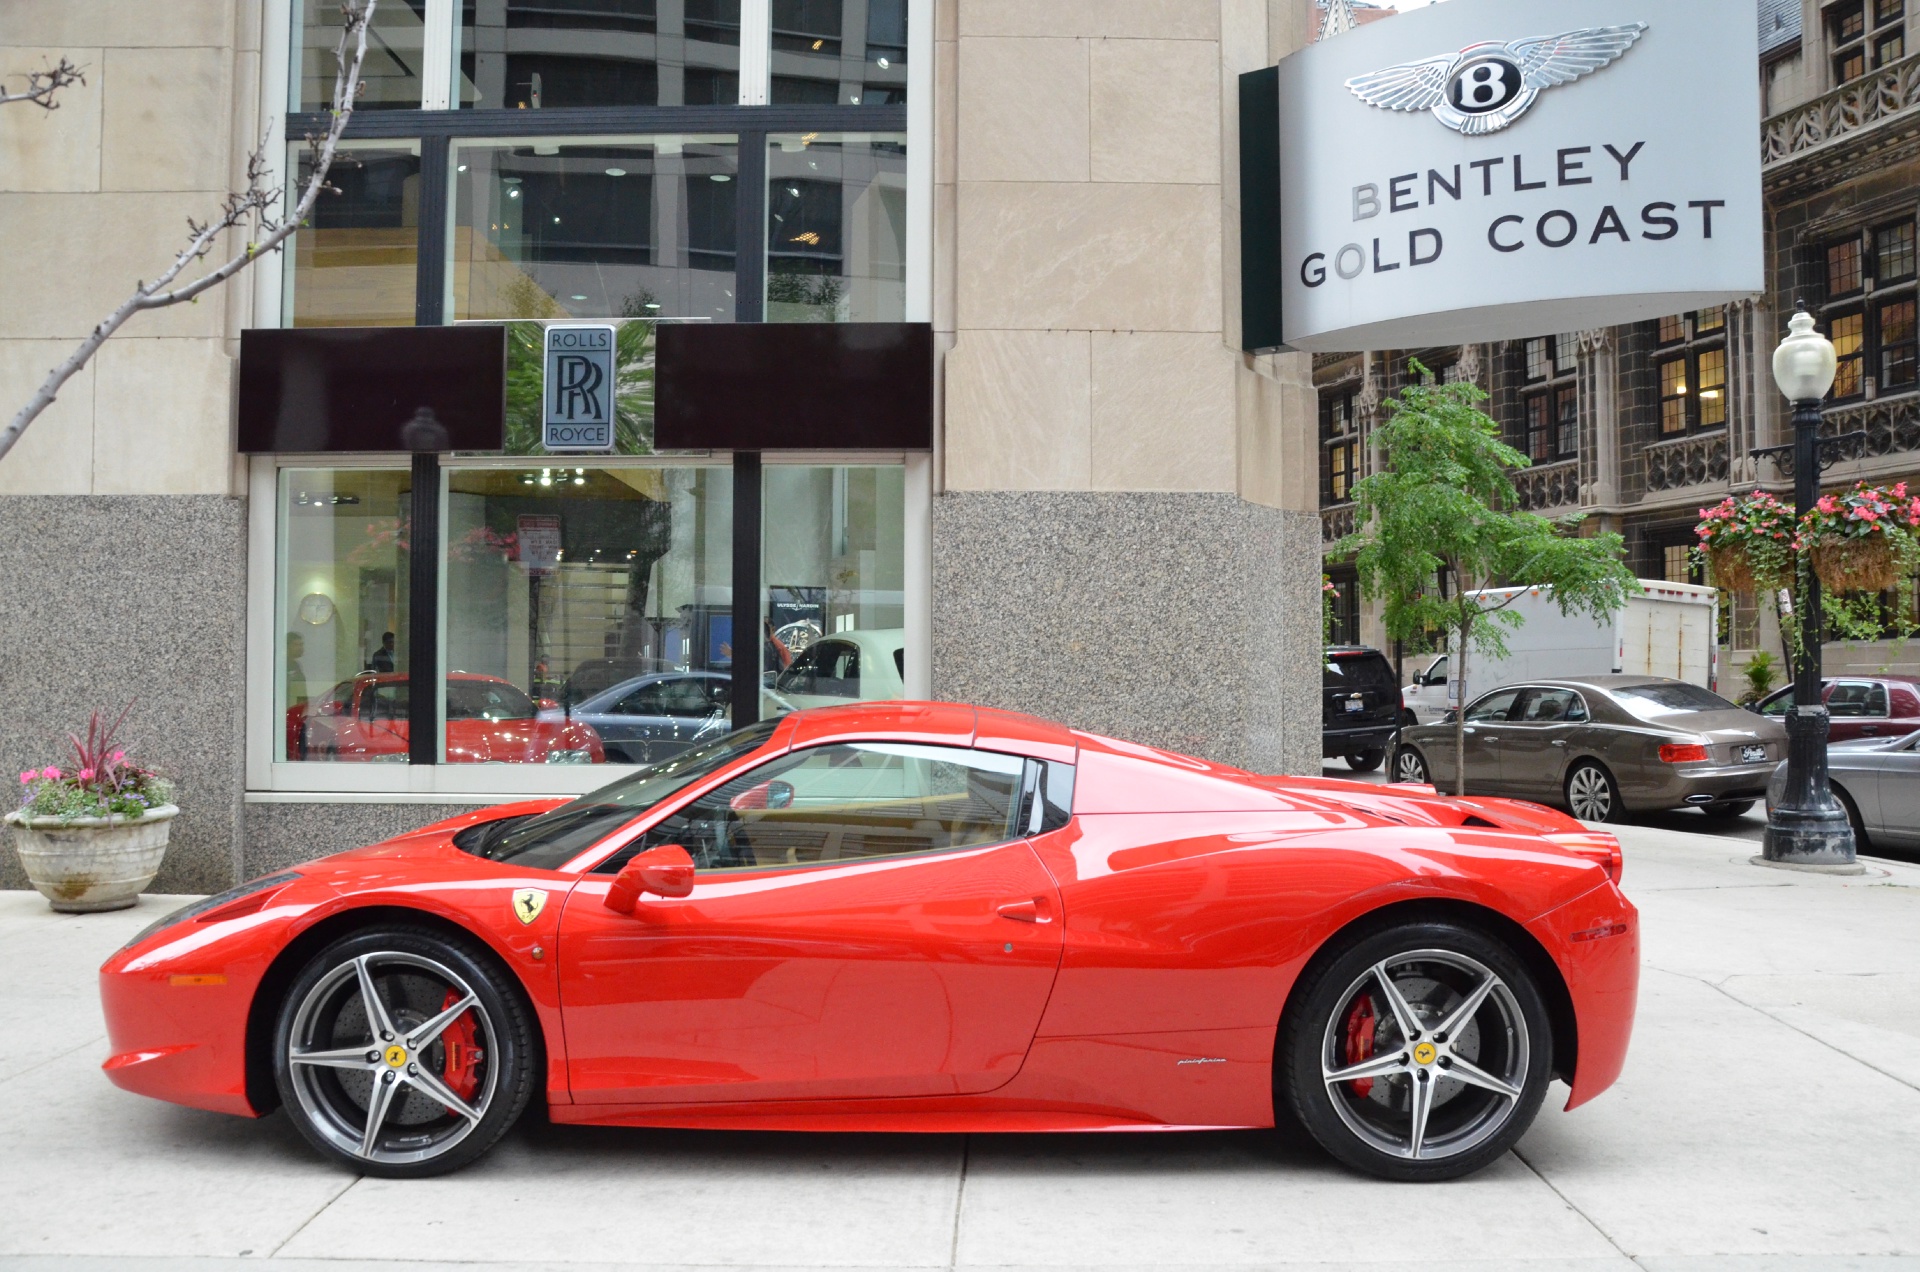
[51,773]
[1827,504]
[119,757]
[86,775]
[26,778]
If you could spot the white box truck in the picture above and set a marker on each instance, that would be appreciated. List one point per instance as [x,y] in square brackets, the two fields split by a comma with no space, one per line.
[1672,630]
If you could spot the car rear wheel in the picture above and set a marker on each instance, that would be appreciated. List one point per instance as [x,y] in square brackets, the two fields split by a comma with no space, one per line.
[403,1053]
[1727,812]
[1593,795]
[1366,761]
[1409,767]
[1419,1053]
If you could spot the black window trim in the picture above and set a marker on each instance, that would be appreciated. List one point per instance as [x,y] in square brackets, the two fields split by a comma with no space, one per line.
[1867,302]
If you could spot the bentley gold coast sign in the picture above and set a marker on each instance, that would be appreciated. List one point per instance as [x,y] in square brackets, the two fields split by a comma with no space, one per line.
[1491,169]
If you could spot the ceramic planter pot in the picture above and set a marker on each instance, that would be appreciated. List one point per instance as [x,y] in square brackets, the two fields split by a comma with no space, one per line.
[90,864]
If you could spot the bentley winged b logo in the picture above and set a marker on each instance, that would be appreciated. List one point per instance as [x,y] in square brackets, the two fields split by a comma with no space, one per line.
[1486,87]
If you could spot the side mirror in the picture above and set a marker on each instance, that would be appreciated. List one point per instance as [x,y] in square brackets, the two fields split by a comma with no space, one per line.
[666,871]
[548,704]
[768,795]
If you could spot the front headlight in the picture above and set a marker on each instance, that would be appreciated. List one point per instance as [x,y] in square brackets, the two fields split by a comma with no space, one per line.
[207,905]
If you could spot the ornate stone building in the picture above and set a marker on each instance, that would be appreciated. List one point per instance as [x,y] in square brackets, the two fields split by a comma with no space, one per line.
[1637,428]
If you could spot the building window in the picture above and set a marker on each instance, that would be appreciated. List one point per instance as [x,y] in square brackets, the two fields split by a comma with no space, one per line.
[829,51]
[1550,398]
[836,228]
[1339,450]
[543,54]
[1345,604]
[1871,310]
[1691,365]
[1865,35]
[356,264]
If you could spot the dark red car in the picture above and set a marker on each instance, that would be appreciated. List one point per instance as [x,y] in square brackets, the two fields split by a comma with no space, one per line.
[1861,706]
[488,721]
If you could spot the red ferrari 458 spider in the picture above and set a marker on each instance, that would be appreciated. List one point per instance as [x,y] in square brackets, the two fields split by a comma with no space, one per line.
[909,917]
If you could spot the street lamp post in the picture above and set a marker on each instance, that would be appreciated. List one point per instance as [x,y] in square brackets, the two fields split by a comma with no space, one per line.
[1807,826]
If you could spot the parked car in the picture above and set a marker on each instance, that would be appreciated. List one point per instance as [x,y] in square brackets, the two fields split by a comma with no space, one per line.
[908,917]
[1880,707]
[1604,746]
[841,668]
[488,721]
[1877,780]
[1361,708]
[649,718]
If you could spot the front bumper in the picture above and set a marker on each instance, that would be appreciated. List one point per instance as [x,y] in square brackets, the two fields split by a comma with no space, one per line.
[1595,941]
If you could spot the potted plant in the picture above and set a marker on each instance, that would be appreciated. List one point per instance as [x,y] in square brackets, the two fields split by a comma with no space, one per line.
[92,836]
[1748,543]
[1864,540]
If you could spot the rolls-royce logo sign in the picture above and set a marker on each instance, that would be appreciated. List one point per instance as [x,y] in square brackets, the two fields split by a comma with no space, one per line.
[1487,87]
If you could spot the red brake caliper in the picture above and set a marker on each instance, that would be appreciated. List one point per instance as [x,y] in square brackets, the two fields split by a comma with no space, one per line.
[460,1043]
[1360,1041]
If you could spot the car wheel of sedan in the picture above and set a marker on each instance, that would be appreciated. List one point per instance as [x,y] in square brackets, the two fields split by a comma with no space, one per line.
[1420,1053]
[1593,795]
[402,1053]
[1366,761]
[1409,767]
[1727,812]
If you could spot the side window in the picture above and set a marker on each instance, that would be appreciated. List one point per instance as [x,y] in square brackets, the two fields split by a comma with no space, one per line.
[385,703]
[1493,708]
[848,802]
[686,698]
[1551,706]
[799,677]
[644,701]
[1779,706]
[839,670]
[1858,699]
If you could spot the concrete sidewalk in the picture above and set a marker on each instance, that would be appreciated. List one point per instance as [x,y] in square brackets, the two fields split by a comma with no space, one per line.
[1769,1119]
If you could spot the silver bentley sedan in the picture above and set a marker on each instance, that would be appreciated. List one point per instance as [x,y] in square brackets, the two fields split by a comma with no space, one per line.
[1603,747]
[1877,780]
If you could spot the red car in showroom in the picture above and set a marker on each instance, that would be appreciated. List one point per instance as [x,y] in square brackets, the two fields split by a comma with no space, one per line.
[489,720]
[909,917]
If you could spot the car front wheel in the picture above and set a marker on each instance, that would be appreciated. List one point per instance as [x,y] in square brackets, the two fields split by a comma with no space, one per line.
[1593,795]
[403,1053]
[1419,1053]
[1409,767]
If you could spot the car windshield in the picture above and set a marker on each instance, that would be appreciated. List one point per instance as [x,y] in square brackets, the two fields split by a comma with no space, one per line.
[1673,697]
[487,700]
[549,840]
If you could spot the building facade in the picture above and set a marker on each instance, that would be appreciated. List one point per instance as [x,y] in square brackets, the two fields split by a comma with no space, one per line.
[1638,428]
[1114,523]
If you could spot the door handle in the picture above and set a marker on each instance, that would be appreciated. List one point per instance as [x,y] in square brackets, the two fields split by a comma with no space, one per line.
[1559,741]
[1032,910]
[1871,729]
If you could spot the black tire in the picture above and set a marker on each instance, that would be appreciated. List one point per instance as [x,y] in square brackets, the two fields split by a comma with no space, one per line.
[1366,761]
[485,1057]
[1861,841]
[1434,966]
[1592,794]
[1410,766]
[1727,812]
[1408,720]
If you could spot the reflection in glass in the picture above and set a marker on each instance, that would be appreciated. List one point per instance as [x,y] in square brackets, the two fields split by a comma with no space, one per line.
[633,346]
[535,54]
[615,227]
[836,228]
[340,613]
[356,263]
[834,563]
[589,612]
[831,53]
[391,72]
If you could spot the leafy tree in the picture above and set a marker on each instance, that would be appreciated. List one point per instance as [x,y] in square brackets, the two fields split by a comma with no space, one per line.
[1441,524]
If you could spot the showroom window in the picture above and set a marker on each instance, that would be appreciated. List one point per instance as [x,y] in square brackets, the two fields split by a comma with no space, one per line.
[635,162]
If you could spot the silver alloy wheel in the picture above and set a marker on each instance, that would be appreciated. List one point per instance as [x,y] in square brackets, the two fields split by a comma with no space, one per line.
[1590,794]
[1450,1055]
[1408,767]
[384,1099]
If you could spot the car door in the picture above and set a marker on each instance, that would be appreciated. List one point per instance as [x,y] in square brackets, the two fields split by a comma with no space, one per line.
[1485,716]
[1897,773]
[1533,746]
[1904,703]
[1858,709]
[865,922]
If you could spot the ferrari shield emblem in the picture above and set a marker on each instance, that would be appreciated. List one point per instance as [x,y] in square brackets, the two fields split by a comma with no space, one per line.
[527,904]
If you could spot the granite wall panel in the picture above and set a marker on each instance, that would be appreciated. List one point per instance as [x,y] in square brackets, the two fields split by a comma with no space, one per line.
[1177,620]
[141,599]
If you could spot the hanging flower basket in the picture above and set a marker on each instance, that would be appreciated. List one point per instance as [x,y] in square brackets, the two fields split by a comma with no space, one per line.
[1748,543]
[1864,540]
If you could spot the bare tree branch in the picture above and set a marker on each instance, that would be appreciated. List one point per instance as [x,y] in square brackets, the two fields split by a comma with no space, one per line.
[42,85]
[252,208]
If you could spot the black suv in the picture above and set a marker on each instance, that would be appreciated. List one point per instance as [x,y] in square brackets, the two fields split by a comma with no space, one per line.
[1360,706]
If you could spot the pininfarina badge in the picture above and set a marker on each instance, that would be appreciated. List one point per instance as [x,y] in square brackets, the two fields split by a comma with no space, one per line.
[1487,87]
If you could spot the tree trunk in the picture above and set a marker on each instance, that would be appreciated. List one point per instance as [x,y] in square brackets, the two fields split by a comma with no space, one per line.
[1460,712]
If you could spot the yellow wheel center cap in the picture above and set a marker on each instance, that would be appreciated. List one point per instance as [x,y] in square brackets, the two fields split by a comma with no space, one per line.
[1424,1053]
[396,1056]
